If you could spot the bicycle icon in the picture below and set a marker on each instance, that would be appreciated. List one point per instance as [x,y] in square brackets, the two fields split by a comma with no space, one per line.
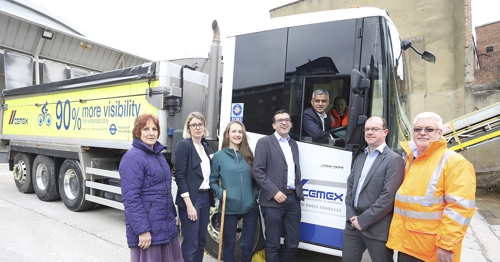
[44,116]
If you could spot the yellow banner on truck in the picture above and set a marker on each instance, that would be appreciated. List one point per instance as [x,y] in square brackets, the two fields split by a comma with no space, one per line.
[102,113]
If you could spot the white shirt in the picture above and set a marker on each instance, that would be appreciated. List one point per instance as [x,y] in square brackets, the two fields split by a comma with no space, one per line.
[287,151]
[415,153]
[322,116]
[205,169]
[370,158]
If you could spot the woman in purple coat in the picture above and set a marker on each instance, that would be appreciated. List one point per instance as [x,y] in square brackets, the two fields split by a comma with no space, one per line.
[146,191]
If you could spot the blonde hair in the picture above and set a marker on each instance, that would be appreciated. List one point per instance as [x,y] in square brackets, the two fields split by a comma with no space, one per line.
[187,133]
[245,149]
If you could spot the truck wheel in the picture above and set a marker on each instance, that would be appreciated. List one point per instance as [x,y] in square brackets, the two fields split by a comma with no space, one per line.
[213,236]
[22,173]
[44,178]
[72,186]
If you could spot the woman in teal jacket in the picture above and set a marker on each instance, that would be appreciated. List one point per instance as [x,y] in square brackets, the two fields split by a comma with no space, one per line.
[232,166]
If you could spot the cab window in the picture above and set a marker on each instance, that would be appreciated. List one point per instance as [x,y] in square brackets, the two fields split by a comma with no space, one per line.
[299,91]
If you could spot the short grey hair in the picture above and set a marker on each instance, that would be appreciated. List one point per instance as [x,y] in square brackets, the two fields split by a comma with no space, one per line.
[320,92]
[432,115]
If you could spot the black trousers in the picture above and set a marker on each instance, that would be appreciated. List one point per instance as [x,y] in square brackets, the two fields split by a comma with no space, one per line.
[403,257]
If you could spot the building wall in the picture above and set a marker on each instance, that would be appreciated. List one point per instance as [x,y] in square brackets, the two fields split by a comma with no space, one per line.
[484,91]
[488,36]
[470,55]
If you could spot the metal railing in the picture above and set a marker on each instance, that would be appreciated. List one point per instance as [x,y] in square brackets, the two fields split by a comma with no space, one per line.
[474,129]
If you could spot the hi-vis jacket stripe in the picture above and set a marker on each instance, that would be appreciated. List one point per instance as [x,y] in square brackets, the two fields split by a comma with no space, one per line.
[429,199]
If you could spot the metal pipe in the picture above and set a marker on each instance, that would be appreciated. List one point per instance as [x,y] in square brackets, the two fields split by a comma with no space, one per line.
[215,28]
[214,84]
[38,50]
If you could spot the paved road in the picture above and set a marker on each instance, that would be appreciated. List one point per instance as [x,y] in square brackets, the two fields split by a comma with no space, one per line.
[33,230]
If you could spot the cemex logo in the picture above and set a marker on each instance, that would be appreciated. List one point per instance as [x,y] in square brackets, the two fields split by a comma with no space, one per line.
[321,194]
[17,120]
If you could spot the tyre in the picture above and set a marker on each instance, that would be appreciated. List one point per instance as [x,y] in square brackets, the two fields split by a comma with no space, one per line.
[44,178]
[72,186]
[49,120]
[213,236]
[40,119]
[22,173]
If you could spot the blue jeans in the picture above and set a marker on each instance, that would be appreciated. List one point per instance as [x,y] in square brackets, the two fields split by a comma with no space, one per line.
[250,220]
[194,232]
[286,217]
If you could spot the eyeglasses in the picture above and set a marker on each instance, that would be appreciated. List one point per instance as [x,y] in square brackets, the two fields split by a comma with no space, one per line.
[200,125]
[373,129]
[283,120]
[427,130]
[320,100]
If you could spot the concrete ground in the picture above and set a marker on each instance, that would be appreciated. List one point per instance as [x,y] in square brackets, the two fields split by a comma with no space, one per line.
[488,203]
[482,241]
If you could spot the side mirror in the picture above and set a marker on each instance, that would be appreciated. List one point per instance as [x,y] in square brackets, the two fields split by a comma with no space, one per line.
[360,82]
[358,106]
[427,56]
[361,120]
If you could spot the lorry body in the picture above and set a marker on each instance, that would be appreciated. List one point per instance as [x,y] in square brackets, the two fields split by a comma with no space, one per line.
[65,139]
[84,126]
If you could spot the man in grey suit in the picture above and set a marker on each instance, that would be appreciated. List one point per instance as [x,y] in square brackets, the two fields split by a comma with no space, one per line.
[371,188]
[277,171]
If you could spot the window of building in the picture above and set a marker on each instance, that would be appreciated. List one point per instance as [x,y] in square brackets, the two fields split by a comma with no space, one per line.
[489,49]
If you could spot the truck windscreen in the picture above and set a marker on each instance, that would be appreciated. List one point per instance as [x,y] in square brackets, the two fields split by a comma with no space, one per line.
[279,69]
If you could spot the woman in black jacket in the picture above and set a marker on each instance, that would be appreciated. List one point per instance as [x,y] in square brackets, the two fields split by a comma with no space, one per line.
[192,165]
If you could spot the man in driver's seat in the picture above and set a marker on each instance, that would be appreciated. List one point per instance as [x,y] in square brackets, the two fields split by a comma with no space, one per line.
[339,113]
[316,122]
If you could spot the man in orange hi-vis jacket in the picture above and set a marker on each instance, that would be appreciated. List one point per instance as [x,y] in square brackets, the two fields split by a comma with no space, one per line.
[435,203]
[339,114]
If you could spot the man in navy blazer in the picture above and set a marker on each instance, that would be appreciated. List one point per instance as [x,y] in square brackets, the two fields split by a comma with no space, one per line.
[276,169]
[371,187]
[316,122]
